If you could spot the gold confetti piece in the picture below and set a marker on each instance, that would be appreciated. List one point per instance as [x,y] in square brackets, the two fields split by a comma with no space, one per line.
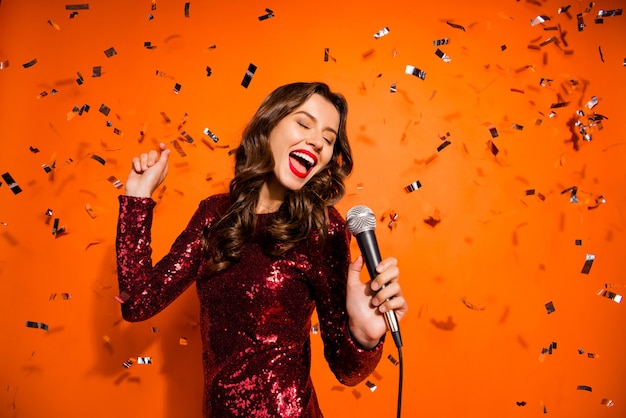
[392,360]
[144,360]
[128,363]
[117,183]
[4,64]
[372,387]
[589,259]
[550,307]
[315,329]
[182,341]
[610,295]
[384,31]
[442,41]
[30,63]
[37,325]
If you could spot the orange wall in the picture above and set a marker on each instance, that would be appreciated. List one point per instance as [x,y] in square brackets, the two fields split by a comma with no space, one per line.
[502,252]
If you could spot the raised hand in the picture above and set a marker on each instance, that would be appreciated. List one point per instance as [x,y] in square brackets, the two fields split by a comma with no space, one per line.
[148,171]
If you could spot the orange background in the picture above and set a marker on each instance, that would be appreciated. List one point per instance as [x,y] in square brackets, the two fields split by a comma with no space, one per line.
[477,281]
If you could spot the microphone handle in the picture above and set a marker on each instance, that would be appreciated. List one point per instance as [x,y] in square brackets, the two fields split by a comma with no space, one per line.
[369,250]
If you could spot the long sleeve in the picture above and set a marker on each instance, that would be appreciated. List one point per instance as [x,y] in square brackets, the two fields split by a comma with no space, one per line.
[146,290]
[350,363]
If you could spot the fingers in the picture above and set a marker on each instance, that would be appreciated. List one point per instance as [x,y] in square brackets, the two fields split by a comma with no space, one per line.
[146,160]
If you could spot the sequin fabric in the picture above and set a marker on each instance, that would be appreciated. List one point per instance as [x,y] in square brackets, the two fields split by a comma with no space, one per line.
[255,316]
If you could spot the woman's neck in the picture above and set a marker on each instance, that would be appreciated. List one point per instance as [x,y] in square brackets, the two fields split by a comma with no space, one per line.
[270,198]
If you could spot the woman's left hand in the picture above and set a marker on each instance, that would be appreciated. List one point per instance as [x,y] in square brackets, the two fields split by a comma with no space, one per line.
[366,302]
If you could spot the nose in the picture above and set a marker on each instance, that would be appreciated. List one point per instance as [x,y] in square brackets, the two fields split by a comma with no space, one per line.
[315,140]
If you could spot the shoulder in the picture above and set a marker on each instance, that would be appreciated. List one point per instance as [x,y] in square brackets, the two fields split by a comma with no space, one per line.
[214,205]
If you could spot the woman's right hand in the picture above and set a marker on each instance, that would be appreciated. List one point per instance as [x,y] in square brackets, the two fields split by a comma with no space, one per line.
[148,172]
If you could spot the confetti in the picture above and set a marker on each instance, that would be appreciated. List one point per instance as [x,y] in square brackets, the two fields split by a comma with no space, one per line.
[538,20]
[607,402]
[11,183]
[110,52]
[77,6]
[493,131]
[392,88]
[177,88]
[589,258]
[550,307]
[455,26]
[56,231]
[186,136]
[208,71]
[128,363]
[610,295]
[581,22]
[37,325]
[117,183]
[372,387]
[105,110]
[54,25]
[144,360]
[178,148]
[413,186]
[92,214]
[392,360]
[411,70]
[471,305]
[444,57]
[30,63]
[315,329]
[98,159]
[492,147]
[522,403]
[187,9]
[384,31]
[248,76]
[5,64]
[148,45]
[96,71]
[211,135]
[268,15]
[182,341]
[442,41]
[583,387]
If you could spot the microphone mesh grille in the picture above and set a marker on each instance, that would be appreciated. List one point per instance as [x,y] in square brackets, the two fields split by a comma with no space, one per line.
[360,219]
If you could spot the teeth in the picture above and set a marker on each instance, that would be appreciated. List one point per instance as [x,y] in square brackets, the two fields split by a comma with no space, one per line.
[304,157]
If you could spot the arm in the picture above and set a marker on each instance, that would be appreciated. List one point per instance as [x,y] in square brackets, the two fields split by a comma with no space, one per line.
[349,360]
[146,290]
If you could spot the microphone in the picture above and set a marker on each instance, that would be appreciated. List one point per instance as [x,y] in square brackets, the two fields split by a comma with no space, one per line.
[361,223]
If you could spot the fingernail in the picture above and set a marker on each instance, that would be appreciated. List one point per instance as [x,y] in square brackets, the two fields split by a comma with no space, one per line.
[374,286]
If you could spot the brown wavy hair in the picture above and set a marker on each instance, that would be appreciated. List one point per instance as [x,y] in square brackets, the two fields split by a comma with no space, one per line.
[303,211]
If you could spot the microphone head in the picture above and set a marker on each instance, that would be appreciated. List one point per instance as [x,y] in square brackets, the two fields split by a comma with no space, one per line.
[360,219]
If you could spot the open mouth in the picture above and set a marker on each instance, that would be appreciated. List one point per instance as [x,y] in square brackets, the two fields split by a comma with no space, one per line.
[301,162]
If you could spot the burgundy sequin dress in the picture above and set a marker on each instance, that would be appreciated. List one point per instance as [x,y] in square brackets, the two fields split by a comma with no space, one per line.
[255,316]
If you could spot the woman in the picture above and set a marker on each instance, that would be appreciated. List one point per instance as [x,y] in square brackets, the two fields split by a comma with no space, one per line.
[263,257]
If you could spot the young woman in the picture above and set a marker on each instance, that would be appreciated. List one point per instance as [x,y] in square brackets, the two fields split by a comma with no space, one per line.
[263,257]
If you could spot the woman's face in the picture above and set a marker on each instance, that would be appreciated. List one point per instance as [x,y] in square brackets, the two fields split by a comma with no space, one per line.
[302,142]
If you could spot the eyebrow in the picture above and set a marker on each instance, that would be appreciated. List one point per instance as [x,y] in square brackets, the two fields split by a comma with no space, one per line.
[328,128]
